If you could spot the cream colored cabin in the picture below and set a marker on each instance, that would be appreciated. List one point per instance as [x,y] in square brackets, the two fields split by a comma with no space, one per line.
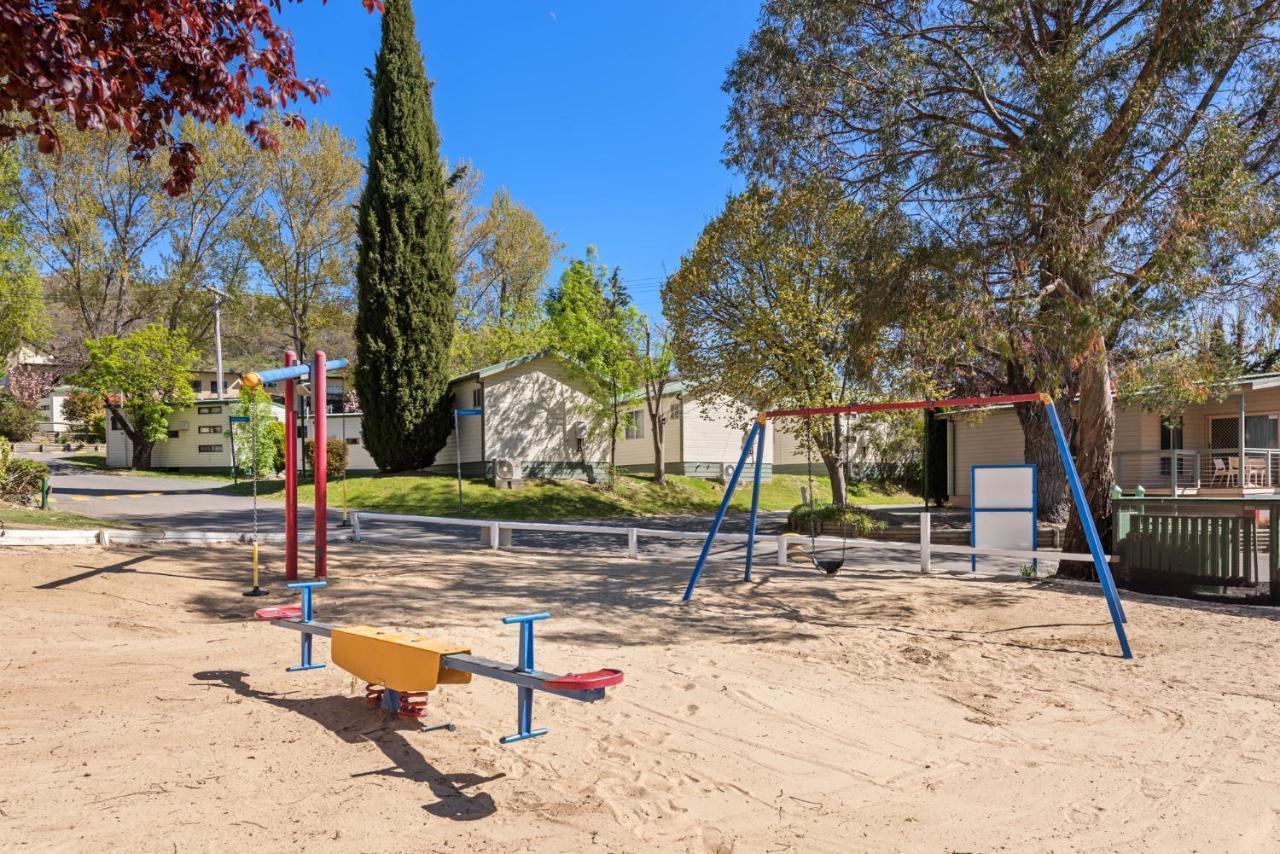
[1227,448]
[199,438]
[701,436]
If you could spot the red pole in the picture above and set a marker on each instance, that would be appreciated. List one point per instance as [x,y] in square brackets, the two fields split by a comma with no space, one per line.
[994,400]
[290,474]
[320,405]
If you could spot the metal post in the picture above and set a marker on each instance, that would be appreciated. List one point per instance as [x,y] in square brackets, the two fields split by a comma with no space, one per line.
[1240,432]
[724,507]
[1090,531]
[290,473]
[457,454]
[306,588]
[633,543]
[762,424]
[782,550]
[319,406]
[926,523]
[524,694]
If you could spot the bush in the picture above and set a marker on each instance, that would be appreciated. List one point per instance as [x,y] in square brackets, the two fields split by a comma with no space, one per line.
[21,480]
[335,451]
[6,452]
[275,435]
[17,420]
[856,523]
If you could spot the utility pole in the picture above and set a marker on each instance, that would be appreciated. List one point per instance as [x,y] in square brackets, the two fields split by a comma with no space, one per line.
[219,297]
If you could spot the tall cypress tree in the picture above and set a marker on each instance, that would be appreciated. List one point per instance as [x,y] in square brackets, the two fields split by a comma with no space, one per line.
[404,275]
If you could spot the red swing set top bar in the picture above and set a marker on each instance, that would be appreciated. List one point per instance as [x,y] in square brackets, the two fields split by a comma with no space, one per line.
[952,402]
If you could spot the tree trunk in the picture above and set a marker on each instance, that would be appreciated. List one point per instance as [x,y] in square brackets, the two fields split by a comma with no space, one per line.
[833,457]
[1094,443]
[839,484]
[141,456]
[659,460]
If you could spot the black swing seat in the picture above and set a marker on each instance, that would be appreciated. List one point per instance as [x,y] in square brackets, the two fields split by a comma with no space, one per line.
[828,565]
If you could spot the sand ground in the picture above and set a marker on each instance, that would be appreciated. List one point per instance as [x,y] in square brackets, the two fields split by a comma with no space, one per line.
[140,710]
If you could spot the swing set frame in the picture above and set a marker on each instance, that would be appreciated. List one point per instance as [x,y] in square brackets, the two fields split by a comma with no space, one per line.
[755,443]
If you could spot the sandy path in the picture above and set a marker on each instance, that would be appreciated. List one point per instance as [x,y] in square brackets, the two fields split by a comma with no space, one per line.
[875,711]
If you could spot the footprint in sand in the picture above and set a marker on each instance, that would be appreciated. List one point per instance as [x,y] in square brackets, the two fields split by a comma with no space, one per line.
[691,709]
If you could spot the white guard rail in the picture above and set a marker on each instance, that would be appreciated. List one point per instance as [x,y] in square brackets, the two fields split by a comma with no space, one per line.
[497,534]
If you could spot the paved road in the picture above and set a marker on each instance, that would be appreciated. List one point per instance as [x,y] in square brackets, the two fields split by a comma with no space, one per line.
[196,504]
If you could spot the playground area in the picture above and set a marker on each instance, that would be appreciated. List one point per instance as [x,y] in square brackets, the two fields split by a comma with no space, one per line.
[874,710]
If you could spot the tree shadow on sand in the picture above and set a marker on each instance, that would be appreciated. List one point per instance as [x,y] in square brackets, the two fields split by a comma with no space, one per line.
[334,714]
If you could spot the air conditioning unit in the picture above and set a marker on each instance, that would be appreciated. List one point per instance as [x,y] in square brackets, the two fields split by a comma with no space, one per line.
[726,472]
[508,474]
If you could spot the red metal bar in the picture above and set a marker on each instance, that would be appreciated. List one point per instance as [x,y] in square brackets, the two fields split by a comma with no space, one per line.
[995,400]
[290,474]
[320,444]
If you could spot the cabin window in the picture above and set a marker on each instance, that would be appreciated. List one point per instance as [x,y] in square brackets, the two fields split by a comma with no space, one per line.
[196,386]
[635,424]
[208,410]
[354,440]
[674,412]
[477,398]
[210,449]
[173,434]
[207,429]
[117,423]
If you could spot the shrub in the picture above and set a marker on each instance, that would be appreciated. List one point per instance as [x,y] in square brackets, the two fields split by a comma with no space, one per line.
[21,480]
[857,523]
[6,452]
[335,451]
[17,420]
[275,435]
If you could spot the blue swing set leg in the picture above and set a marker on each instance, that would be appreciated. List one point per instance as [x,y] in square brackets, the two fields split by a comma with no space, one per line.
[1091,533]
[755,497]
[757,430]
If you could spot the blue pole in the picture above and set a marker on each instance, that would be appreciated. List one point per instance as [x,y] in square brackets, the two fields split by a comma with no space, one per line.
[1090,531]
[755,496]
[524,664]
[724,506]
[294,372]
[308,611]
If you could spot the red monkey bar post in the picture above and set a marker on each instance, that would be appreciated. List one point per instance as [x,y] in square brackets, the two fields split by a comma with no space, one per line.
[290,474]
[320,443]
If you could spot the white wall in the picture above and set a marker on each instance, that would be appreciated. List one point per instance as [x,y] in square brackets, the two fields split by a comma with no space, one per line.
[530,415]
[183,451]
[714,431]
[346,427]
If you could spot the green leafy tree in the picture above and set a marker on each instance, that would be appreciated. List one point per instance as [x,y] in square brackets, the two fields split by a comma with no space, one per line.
[591,315]
[141,378]
[656,370]
[784,302]
[85,410]
[404,275]
[1083,173]
[21,300]
[255,448]
[18,420]
[299,233]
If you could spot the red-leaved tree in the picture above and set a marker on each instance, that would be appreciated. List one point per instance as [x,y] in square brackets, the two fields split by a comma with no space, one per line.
[135,65]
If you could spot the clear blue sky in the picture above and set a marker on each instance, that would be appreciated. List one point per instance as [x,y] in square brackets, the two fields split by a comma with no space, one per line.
[603,117]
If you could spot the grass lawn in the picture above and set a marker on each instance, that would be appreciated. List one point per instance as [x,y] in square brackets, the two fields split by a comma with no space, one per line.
[437,495]
[34,517]
[98,462]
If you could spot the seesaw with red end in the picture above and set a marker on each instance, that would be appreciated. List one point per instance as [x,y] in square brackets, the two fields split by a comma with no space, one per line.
[401,668]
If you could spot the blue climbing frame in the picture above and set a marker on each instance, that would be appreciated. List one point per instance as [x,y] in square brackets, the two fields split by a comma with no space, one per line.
[755,442]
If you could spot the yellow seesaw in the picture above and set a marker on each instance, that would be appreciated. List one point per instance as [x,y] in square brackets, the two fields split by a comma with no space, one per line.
[399,669]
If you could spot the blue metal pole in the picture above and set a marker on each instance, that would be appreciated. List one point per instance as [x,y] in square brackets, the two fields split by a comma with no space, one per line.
[724,507]
[293,372]
[1090,531]
[524,664]
[755,496]
[308,611]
